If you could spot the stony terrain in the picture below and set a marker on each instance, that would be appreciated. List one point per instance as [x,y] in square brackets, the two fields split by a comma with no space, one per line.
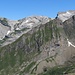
[66,15]
[38,45]
[14,29]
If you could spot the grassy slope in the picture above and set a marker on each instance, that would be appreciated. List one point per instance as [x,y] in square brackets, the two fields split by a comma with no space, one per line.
[60,70]
[14,55]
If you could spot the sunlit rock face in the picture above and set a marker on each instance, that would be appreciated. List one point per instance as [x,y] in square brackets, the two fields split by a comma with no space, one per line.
[6,27]
[28,22]
[69,28]
[65,15]
[32,21]
[13,29]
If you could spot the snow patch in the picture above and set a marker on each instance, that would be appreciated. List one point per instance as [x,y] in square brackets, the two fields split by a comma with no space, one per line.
[68,13]
[8,32]
[70,44]
[27,21]
[17,28]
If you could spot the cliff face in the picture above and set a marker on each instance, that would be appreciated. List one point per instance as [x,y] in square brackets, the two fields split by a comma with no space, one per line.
[66,15]
[66,52]
[14,29]
[69,27]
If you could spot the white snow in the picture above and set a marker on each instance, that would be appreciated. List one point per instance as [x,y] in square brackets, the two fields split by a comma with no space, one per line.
[68,13]
[70,44]
[8,32]
[27,21]
[17,28]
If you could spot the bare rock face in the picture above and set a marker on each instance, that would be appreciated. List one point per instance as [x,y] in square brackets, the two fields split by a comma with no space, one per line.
[14,29]
[6,26]
[36,42]
[32,21]
[3,31]
[65,15]
[69,28]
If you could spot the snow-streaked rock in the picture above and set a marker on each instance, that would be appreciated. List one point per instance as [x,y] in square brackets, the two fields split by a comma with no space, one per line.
[3,31]
[65,15]
[15,29]
[8,32]
[33,21]
[70,44]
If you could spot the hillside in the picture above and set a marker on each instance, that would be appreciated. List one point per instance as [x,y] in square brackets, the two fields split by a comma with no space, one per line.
[37,45]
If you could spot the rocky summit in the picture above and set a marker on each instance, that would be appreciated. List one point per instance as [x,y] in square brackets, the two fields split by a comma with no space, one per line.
[65,15]
[14,29]
[38,45]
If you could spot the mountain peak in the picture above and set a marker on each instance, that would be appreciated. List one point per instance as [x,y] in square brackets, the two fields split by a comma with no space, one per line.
[65,15]
[14,29]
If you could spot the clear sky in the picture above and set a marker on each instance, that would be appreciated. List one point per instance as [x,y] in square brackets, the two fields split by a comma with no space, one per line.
[17,9]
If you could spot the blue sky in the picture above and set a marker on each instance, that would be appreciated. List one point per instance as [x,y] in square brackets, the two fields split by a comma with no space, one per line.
[17,9]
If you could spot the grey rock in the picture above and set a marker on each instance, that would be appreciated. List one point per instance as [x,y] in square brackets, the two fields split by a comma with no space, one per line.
[63,16]
[15,29]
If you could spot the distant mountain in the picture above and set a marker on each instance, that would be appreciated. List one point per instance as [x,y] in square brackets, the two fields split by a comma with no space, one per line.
[14,29]
[38,45]
[65,15]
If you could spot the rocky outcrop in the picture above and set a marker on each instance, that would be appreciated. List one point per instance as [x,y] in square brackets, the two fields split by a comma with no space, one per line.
[14,29]
[69,27]
[6,26]
[65,15]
